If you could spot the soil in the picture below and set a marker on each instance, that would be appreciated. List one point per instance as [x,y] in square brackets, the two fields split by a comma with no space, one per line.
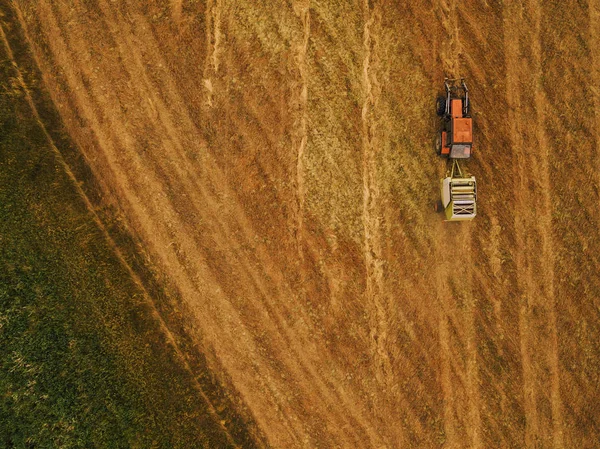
[276,160]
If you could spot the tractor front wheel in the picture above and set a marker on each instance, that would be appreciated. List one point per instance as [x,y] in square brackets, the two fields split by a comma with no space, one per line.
[440,106]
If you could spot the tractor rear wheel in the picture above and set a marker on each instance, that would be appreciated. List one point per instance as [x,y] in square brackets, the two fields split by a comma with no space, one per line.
[438,206]
[438,143]
[440,106]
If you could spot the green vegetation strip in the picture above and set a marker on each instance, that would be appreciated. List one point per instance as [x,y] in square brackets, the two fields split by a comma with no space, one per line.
[83,360]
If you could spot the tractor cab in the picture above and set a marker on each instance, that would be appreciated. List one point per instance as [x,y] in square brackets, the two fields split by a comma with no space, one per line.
[455,139]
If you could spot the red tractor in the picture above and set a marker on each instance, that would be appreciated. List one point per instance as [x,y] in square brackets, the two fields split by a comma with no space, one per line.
[455,139]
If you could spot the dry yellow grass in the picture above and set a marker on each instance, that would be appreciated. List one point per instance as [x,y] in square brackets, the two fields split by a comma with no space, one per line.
[276,160]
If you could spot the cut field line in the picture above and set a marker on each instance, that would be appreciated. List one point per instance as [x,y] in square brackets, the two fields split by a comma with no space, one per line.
[513,74]
[217,11]
[213,46]
[375,290]
[535,266]
[546,227]
[472,370]
[176,8]
[450,424]
[451,54]
[303,11]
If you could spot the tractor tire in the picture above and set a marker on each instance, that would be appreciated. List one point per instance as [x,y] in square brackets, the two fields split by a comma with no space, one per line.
[438,143]
[438,206]
[440,106]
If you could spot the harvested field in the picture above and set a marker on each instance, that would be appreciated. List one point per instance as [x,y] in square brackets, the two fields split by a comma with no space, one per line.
[275,161]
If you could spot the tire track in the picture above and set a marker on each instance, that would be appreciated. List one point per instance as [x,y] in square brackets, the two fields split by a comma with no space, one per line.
[394,370]
[176,9]
[547,234]
[451,50]
[512,19]
[413,401]
[472,370]
[213,33]
[375,290]
[302,10]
